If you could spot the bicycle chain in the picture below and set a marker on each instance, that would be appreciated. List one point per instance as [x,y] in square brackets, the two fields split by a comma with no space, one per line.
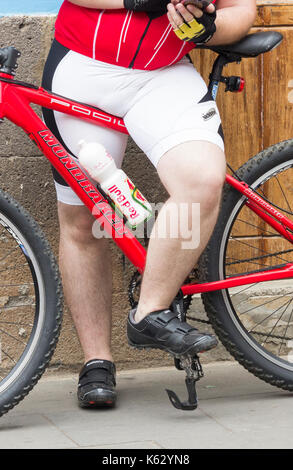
[198,319]
[134,283]
[256,332]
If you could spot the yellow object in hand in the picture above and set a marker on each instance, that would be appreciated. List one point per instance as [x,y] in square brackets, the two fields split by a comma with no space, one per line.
[189,31]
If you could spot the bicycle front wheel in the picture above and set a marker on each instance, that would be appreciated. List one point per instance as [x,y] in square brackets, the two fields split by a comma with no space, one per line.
[254,322]
[30,303]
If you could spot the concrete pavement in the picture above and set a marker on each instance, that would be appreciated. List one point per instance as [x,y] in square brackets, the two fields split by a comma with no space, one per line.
[236,410]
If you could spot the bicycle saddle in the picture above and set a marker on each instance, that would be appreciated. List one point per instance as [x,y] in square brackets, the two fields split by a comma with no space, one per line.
[251,45]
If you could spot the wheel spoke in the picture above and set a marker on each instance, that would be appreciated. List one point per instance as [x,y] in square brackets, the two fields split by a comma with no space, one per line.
[16,306]
[243,290]
[13,268]
[267,254]
[249,260]
[287,326]
[11,336]
[284,195]
[17,285]
[7,355]
[261,305]
[18,324]
[256,226]
[8,254]
[269,316]
[277,322]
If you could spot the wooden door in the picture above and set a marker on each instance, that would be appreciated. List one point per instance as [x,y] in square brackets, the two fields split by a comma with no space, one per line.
[261,115]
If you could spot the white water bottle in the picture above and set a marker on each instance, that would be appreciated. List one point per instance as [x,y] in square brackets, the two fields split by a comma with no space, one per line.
[114,182]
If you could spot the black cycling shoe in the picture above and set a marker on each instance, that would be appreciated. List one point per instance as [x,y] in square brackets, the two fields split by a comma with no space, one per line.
[163,330]
[96,385]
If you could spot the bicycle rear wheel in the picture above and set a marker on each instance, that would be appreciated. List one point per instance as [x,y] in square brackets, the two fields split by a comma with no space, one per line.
[254,322]
[30,303]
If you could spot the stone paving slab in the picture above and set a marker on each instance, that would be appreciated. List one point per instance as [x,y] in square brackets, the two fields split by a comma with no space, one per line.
[236,410]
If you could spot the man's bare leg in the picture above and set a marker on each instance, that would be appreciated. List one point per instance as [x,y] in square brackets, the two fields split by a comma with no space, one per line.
[85,266]
[192,172]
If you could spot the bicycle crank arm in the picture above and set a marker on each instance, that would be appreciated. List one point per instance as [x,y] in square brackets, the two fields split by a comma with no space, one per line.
[191,403]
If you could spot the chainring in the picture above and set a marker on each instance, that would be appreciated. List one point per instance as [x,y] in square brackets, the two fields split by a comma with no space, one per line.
[134,290]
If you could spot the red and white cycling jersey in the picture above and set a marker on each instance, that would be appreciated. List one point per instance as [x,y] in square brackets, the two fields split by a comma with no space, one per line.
[120,37]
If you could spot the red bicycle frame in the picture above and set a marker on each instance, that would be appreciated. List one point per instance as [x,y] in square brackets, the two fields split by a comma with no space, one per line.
[15,100]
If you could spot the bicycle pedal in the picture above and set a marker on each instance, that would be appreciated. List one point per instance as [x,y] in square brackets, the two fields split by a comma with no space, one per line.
[138,346]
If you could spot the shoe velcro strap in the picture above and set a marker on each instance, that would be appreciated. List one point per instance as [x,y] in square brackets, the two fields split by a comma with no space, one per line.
[169,320]
[96,376]
[174,333]
[97,371]
[175,326]
[165,317]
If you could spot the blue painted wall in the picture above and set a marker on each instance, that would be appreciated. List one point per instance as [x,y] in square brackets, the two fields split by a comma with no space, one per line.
[15,7]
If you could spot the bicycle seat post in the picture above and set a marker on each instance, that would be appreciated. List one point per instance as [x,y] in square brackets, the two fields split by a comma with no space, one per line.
[216,77]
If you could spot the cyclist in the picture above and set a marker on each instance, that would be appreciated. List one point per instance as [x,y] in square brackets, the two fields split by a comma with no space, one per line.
[128,57]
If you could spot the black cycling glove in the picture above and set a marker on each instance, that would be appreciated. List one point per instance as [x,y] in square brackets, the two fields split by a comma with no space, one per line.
[198,30]
[146,5]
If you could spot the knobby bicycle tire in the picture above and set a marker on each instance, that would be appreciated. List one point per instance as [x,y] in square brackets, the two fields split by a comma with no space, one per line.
[251,323]
[31,303]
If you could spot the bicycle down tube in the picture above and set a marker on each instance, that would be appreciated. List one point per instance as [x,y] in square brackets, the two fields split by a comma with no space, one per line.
[15,100]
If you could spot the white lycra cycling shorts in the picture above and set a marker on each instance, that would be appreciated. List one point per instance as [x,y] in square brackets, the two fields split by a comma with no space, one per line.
[161,108]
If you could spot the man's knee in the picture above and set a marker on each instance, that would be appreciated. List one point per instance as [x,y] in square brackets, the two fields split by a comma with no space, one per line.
[76,223]
[194,171]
